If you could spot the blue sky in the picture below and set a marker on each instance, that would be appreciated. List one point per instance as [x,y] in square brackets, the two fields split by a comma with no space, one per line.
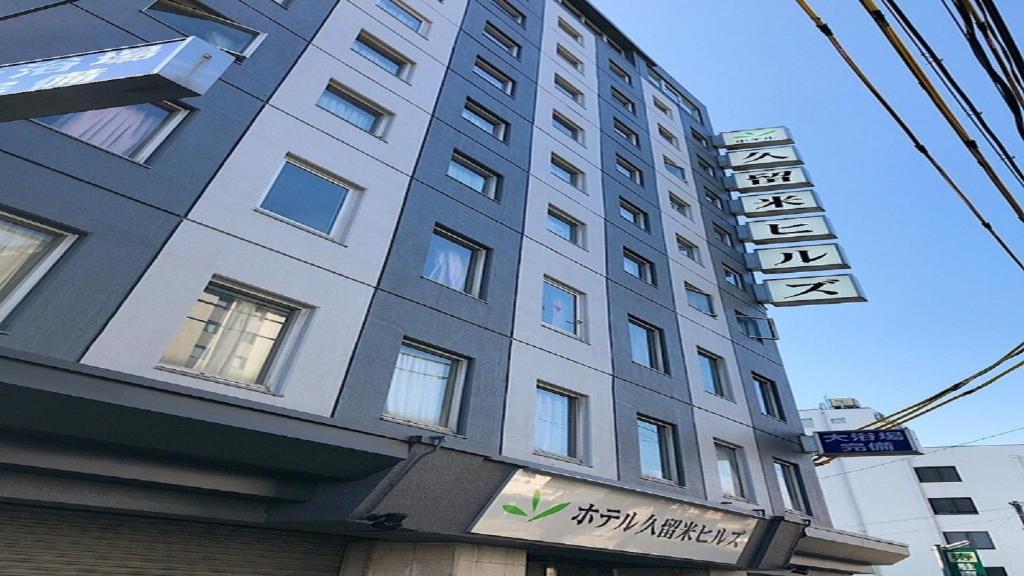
[944,300]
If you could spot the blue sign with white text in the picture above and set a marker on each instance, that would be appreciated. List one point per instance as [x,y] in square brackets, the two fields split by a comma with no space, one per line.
[894,442]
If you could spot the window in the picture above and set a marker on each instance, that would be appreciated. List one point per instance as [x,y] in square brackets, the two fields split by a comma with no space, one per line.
[628,170]
[570,91]
[354,109]
[732,277]
[493,76]
[792,486]
[626,133]
[657,453]
[953,506]
[937,474]
[768,397]
[572,10]
[711,371]
[27,251]
[568,29]
[504,41]
[756,328]
[194,19]
[668,136]
[978,540]
[807,422]
[690,108]
[231,333]
[723,236]
[426,387]
[729,472]
[623,101]
[455,262]
[569,58]
[566,126]
[556,422]
[699,300]
[559,308]
[618,49]
[510,10]
[645,345]
[996,571]
[688,249]
[679,205]
[566,171]
[306,196]
[700,139]
[837,420]
[484,119]
[706,168]
[638,266]
[564,226]
[633,215]
[134,131]
[713,198]
[674,169]
[405,15]
[382,55]
[664,108]
[472,174]
[620,73]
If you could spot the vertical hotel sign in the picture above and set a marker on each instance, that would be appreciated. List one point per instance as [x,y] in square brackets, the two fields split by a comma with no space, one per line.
[776,194]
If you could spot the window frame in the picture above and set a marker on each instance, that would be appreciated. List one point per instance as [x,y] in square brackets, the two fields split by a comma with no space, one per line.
[628,170]
[662,107]
[674,169]
[575,225]
[576,419]
[576,175]
[345,211]
[573,61]
[956,502]
[383,116]
[691,289]
[737,277]
[745,320]
[686,210]
[502,39]
[644,266]
[738,470]
[625,132]
[720,387]
[723,236]
[640,218]
[474,283]
[424,22]
[577,303]
[492,179]
[666,447]
[655,339]
[668,136]
[700,138]
[511,11]
[620,73]
[768,397]
[375,44]
[499,125]
[791,485]
[950,537]
[217,17]
[624,101]
[943,478]
[692,251]
[569,90]
[575,131]
[713,198]
[59,246]
[570,31]
[451,407]
[487,72]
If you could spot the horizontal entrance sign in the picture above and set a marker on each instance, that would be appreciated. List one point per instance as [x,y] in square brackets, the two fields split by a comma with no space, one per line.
[109,78]
[559,510]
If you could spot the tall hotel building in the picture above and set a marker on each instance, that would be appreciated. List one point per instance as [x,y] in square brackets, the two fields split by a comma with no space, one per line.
[418,287]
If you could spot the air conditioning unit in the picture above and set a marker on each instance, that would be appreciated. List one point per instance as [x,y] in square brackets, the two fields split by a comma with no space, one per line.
[844,403]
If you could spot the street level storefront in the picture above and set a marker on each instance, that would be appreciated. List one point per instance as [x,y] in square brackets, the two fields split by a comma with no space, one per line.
[207,484]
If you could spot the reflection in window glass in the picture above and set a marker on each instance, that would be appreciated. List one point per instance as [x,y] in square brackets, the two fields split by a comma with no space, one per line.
[451,262]
[22,248]
[193,19]
[555,423]
[125,130]
[558,309]
[306,197]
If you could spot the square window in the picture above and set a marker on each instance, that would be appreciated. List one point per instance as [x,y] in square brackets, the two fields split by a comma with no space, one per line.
[570,91]
[376,51]
[237,334]
[733,277]
[690,108]
[27,251]
[706,168]
[354,109]
[637,266]
[657,450]
[568,29]
[688,249]
[633,215]
[668,136]
[837,420]
[626,133]
[503,40]
[511,11]
[560,307]
[192,18]
[624,101]
[713,198]
[792,486]
[662,107]
[979,541]
[564,226]
[454,261]
[405,15]
[645,345]
[566,171]
[937,474]
[674,169]
[133,131]
[711,368]
[306,196]
[493,76]
[948,506]
[724,236]
[484,119]
[619,73]
[679,205]
[730,474]
[699,300]
[768,397]
[700,139]
[555,426]
[569,58]
[475,175]
[996,571]
[566,126]
[756,328]
[622,166]
[426,387]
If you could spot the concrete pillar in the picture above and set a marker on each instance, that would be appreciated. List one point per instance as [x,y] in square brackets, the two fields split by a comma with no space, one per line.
[431,559]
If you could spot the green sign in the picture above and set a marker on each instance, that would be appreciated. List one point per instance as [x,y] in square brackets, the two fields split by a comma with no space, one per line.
[963,562]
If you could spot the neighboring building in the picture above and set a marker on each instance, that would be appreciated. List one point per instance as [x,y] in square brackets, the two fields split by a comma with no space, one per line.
[407,262]
[949,494]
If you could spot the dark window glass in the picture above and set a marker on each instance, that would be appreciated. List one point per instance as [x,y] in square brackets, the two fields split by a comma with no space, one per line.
[937,474]
[953,505]
[979,540]
[305,197]
[194,19]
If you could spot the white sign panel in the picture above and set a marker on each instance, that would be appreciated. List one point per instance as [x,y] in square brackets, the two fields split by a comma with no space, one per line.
[814,290]
[771,179]
[576,513]
[779,204]
[756,138]
[763,158]
[799,259]
[787,230]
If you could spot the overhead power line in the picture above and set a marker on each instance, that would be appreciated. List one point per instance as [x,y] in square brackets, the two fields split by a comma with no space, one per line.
[827,31]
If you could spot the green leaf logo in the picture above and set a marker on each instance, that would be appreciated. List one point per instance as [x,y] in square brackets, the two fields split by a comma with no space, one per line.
[535,505]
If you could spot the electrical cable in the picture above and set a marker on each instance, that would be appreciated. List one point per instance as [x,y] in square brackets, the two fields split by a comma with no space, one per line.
[1010,47]
[827,31]
[999,51]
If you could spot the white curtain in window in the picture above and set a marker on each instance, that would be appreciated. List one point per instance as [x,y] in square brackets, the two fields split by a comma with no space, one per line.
[551,430]
[346,109]
[234,352]
[21,248]
[449,266]
[121,130]
[419,387]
